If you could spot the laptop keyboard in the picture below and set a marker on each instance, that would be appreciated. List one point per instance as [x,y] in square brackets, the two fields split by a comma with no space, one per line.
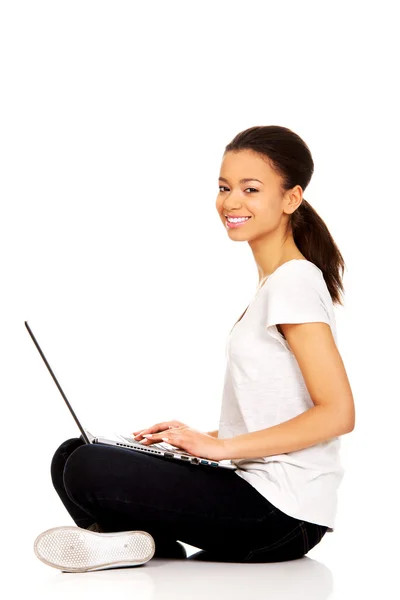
[160,446]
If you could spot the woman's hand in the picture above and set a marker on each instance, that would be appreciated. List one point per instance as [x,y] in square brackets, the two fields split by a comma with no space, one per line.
[186,438]
[156,428]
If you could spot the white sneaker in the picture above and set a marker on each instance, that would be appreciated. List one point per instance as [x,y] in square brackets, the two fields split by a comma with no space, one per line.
[75,550]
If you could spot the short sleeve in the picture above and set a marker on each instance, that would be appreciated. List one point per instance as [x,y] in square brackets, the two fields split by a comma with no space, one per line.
[294,295]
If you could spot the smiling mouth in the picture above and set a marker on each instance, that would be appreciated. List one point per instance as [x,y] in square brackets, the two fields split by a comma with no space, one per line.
[237,217]
[236,224]
[229,217]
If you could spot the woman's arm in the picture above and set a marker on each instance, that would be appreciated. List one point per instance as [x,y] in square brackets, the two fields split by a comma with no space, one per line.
[315,425]
[333,413]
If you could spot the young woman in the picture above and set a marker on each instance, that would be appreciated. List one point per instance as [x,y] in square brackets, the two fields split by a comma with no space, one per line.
[286,402]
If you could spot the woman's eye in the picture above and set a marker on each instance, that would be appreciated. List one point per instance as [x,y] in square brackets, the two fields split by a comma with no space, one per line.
[224,187]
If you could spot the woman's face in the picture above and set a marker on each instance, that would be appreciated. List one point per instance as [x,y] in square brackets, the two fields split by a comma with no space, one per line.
[263,200]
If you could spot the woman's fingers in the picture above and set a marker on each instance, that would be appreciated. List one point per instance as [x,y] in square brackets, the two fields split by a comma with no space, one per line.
[158,427]
[152,429]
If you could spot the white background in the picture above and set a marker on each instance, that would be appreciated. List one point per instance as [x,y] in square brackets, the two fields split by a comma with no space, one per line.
[114,118]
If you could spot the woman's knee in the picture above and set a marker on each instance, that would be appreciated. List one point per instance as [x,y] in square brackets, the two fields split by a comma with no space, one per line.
[82,467]
[61,456]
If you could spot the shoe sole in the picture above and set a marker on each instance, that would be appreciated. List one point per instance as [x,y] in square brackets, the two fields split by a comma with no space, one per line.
[76,550]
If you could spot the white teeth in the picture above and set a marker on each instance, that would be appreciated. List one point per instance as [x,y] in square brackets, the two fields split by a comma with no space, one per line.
[231,220]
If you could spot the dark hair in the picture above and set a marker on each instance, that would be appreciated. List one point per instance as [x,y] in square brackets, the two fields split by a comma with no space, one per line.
[291,158]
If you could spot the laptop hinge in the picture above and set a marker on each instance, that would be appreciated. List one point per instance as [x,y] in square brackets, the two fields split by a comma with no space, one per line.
[90,436]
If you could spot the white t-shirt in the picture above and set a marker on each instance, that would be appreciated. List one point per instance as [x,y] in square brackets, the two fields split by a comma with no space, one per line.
[264,386]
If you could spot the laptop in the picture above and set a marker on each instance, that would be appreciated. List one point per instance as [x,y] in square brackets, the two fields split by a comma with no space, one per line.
[162,450]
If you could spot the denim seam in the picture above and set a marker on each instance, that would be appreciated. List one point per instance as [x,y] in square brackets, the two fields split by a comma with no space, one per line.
[305,538]
[278,543]
[270,513]
[283,540]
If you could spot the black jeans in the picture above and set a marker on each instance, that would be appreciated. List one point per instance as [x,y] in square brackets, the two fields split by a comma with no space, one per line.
[211,509]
